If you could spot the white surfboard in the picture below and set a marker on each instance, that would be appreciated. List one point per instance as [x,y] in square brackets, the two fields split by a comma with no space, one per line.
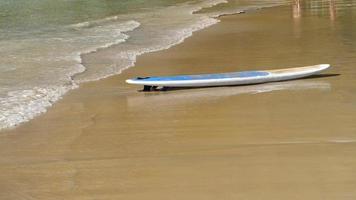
[225,79]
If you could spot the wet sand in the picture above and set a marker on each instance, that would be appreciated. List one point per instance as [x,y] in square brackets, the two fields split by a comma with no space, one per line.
[286,140]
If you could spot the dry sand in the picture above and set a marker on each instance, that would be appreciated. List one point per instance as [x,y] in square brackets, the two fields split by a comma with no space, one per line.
[288,140]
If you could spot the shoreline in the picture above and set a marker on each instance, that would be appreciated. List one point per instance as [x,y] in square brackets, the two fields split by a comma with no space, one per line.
[288,140]
[48,100]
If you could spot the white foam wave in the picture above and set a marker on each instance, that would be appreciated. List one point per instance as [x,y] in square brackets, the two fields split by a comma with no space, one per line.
[120,30]
[131,55]
[168,38]
[88,24]
[21,106]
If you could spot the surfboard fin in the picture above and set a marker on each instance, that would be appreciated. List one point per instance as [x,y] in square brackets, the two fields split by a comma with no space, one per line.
[147,88]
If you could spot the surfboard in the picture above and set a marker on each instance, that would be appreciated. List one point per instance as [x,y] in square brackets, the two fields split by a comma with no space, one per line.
[226,79]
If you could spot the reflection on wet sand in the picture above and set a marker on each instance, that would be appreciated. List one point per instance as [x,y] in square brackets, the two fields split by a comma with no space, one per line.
[332,10]
[203,94]
[296,9]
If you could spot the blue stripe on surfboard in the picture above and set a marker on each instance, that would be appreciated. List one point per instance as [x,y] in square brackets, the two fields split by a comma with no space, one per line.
[246,74]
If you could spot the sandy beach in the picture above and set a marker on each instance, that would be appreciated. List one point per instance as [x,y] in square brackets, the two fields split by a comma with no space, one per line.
[284,140]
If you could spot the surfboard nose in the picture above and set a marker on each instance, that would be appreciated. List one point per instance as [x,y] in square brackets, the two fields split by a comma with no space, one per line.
[324,66]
